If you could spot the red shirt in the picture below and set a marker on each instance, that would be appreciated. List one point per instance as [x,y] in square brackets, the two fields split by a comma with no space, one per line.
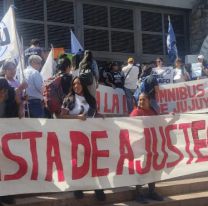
[142,112]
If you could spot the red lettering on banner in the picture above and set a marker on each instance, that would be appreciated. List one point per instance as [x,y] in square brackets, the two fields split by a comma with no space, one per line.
[164,108]
[146,169]
[157,166]
[22,170]
[129,155]
[96,172]
[106,109]
[78,138]
[124,105]
[200,89]
[115,105]
[98,100]
[33,149]
[53,147]
[171,147]
[199,143]
[185,127]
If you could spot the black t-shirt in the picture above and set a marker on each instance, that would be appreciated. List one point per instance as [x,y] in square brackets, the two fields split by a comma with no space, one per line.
[32,51]
[116,78]
[66,81]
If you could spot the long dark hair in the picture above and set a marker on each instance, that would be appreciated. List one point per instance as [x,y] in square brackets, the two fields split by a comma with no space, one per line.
[69,100]
[11,107]
[63,63]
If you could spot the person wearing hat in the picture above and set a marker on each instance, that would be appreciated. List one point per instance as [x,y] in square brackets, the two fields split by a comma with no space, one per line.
[115,77]
[131,73]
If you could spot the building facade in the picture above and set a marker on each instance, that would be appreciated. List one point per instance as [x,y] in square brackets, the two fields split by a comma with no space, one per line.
[112,29]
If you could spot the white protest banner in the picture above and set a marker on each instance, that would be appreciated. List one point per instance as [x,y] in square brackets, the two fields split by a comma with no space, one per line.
[111,101]
[164,75]
[184,97]
[196,70]
[8,37]
[42,155]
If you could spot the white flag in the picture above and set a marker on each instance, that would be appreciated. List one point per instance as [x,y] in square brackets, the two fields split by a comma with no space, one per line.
[48,67]
[8,37]
[75,45]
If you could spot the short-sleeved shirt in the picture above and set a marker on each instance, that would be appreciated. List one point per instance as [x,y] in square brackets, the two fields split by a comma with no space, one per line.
[116,78]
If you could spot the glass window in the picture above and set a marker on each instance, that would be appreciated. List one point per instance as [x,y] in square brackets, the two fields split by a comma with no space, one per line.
[152,44]
[95,15]
[30,31]
[59,36]
[177,22]
[60,11]
[151,21]
[1,10]
[30,9]
[121,18]
[122,42]
[97,40]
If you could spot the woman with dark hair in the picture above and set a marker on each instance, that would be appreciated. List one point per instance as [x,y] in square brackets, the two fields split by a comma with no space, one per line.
[88,63]
[79,103]
[64,68]
[8,100]
[144,109]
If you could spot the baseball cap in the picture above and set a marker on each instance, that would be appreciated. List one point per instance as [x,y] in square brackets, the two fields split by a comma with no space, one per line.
[130,59]
[200,56]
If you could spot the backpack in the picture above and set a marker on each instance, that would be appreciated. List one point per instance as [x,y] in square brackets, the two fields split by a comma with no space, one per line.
[53,94]
[86,75]
[143,87]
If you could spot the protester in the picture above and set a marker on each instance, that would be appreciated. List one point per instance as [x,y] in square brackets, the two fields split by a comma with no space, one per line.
[180,73]
[144,109]
[163,74]
[80,104]
[115,77]
[89,64]
[34,49]
[34,90]
[9,70]
[64,69]
[131,73]
[149,85]
[8,109]
[199,69]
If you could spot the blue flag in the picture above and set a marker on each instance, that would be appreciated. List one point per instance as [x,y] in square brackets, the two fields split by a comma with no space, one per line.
[75,45]
[171,43]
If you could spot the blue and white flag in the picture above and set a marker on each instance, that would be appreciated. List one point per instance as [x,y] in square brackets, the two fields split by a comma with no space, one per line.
[75,45]
[171,43]
[8,37]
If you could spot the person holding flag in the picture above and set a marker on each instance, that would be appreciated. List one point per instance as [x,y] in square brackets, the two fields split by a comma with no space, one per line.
[171,43]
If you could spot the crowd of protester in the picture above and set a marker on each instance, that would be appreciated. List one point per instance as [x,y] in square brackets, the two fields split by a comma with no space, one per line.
[78,86]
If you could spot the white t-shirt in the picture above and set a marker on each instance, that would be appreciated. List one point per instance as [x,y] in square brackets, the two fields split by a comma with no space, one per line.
[132,78]
[178,76]
[81,106]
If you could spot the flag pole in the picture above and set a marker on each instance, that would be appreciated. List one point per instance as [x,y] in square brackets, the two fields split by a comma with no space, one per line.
[17,41]
[19,51]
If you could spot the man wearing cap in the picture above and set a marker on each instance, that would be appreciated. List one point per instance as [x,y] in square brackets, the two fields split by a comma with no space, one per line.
[131,73]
